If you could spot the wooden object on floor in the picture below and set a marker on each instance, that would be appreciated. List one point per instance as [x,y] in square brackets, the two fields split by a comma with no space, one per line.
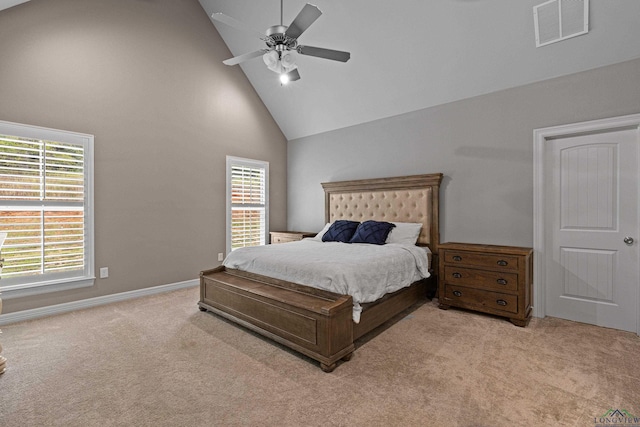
[288,236]
[376,313]
[488,278]
[312,321]
[256,302]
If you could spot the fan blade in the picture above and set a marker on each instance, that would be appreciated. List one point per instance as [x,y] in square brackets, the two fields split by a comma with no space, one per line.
[335,55]
[247,56]
[293,75]
[305,18]
[232,22]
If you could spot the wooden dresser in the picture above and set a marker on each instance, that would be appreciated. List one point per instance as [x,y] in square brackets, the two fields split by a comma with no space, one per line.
[487,278]
[288,236]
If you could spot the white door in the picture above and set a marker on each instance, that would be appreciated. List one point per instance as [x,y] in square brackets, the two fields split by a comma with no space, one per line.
[592,228]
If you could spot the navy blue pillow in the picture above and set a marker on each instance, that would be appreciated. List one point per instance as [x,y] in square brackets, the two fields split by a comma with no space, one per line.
[340,231]
[374,232]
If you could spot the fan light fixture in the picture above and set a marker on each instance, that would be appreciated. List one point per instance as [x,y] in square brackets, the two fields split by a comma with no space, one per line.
[282,43]
[279,62]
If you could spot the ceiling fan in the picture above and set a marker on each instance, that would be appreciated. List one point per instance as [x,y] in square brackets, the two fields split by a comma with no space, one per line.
[282,41]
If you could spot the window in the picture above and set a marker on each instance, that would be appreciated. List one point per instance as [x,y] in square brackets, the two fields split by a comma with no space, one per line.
[247,202]
[46,209]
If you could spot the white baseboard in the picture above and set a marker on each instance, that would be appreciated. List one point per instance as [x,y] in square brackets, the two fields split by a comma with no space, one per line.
[35,313]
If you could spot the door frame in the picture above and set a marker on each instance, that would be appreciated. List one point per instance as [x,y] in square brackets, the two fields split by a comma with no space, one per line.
[540,138]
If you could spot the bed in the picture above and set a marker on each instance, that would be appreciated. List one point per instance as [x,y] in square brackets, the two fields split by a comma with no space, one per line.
[321,323]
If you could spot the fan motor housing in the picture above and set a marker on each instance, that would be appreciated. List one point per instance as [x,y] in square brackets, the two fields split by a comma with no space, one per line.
[276,37]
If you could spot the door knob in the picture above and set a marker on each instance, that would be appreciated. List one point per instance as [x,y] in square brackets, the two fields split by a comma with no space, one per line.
[628,240]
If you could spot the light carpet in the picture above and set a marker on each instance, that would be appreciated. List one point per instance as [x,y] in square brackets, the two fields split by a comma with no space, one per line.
[159,361]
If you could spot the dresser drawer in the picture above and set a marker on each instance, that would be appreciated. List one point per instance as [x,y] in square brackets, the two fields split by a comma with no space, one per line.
[469,297]
[493,261]
[278,238]
[288,236]
[482,279]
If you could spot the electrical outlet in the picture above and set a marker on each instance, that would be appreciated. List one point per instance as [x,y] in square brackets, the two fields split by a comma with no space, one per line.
[220,256]
[104,272]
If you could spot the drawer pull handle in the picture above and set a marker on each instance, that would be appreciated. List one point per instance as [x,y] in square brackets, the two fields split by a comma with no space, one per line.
[502,263]
[457,258]
[457,275]
[501,302]
[501,281]
[457,293]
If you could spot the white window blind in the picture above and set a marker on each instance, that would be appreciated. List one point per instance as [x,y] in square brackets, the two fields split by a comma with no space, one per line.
[44,206]
[247,183]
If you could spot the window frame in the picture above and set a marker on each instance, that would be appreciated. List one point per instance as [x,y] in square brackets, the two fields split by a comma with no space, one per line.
[240,161]
[32,285]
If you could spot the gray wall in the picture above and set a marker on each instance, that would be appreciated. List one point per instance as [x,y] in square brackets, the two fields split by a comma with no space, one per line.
[483,145]
[146,78]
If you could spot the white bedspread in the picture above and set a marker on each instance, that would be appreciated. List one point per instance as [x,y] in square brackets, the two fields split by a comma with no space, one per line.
[364,271]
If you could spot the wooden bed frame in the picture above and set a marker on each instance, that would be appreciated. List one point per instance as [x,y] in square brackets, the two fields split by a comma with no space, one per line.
[319,323]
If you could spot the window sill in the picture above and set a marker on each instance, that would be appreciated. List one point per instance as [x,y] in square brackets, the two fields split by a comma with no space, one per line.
[20,291]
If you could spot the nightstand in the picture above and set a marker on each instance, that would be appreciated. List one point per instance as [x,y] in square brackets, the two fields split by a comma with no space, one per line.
[288,236]
[487,278]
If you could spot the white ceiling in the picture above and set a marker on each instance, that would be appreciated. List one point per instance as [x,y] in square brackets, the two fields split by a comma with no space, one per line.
[5,4]
[412,54]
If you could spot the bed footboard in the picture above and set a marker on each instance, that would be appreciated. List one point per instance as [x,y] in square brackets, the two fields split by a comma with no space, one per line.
[311,321]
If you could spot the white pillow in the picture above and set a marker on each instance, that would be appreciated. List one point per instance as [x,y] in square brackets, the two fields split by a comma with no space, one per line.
[405,233]
[318,236]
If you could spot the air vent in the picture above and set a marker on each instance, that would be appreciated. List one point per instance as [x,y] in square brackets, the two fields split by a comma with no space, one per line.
[558,20]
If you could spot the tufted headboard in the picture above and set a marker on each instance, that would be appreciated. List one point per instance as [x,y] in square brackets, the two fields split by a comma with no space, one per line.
[412,198]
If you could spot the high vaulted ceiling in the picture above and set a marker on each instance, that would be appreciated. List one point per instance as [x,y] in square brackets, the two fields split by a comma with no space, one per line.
[408,55]
[412,54]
